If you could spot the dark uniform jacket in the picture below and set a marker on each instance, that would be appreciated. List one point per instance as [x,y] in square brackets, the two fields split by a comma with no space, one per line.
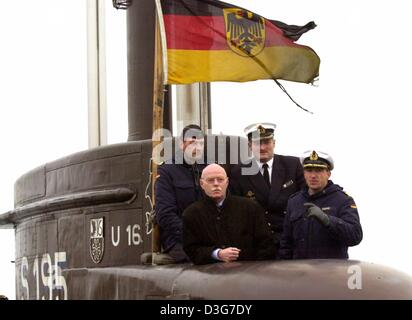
[176,187]
[287,178]
[307,238]
[240,223]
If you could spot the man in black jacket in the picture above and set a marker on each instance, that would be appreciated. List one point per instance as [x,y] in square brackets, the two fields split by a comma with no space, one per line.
[223,227]
[274,180]
[177,186]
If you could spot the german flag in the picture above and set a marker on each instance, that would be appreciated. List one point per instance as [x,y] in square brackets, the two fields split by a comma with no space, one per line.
[209,40]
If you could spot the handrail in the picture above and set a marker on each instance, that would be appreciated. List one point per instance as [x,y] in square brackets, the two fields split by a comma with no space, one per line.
[70,201]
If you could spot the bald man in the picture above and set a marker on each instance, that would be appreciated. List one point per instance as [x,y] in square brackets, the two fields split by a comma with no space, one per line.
[224,228]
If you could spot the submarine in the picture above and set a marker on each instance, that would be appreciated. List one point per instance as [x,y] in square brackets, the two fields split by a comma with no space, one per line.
[82,222]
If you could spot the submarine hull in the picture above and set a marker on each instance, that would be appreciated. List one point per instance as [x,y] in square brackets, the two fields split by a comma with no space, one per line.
[82,223]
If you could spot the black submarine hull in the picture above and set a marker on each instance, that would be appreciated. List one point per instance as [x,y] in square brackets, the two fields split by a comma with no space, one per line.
[264,280]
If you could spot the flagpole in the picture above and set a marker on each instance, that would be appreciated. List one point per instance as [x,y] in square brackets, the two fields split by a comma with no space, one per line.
[158,104]
[96,66]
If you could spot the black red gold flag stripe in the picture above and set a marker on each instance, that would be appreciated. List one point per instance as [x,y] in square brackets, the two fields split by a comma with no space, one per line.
[209,40]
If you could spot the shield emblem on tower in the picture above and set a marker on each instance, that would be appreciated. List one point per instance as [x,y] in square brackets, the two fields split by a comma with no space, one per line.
[97,239]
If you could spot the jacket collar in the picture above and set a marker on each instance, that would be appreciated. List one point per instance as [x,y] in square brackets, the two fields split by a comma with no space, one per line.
[330,188]
[211,202]
[277,178]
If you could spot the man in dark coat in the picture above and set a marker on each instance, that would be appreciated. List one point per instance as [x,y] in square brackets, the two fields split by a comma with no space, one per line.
[223,227]
[178,186]
[275,179]
[322,221]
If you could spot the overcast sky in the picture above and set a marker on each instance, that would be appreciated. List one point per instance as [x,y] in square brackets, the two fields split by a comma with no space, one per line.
[361,104]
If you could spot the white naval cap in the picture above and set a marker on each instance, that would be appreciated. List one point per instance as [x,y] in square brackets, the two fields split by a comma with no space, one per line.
[316,159]
[260,131]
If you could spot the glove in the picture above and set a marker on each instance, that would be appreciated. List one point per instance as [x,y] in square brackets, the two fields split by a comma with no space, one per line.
[315,211]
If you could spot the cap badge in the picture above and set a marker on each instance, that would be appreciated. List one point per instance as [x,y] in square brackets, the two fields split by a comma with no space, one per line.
[261,130]
[314,156]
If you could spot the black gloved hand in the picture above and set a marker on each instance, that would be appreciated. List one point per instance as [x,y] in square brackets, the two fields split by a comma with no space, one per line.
[315,211]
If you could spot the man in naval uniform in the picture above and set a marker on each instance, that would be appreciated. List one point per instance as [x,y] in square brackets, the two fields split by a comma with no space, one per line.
[275,179]
[322,221]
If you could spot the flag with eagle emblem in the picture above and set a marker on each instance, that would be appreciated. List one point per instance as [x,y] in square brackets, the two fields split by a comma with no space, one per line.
[209,40]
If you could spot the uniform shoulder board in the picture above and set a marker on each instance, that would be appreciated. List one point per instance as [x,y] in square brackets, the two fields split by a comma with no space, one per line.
[161,163]
[347,193]
[353,205]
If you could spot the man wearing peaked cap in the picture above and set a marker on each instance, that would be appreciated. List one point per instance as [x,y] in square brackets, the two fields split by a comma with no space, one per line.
[317,159]
[322,221]
[275,180]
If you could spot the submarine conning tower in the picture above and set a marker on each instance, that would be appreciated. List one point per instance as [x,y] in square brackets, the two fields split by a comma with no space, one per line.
[90,210]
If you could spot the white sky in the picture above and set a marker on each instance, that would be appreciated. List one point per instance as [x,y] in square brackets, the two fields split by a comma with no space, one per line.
[361,106]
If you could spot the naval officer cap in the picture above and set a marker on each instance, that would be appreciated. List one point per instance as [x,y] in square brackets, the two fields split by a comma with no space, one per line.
[316,159]
[260,131]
